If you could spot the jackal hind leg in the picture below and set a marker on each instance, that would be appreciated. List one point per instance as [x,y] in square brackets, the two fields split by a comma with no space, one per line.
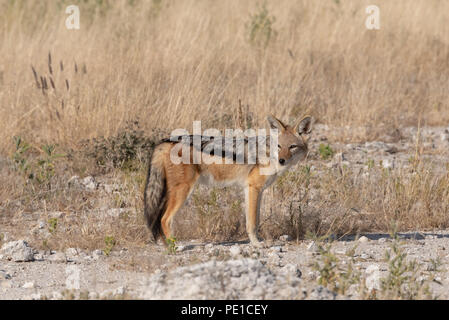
[177,197]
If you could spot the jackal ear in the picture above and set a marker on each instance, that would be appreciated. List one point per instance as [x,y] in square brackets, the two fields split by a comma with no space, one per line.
[305,125]
[275,123]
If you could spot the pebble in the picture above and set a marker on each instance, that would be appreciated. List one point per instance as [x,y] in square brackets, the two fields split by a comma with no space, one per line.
[71,252]
[291,269]
[363,239]
[39,257]
[373,279]
[58,257]
[312,247]
[96,254]
[365,256]
[36,296]
[56,295]
[28,285]
[92,295]
[276,249]
[235,250]
[4,275]
[388,163]
[285,238]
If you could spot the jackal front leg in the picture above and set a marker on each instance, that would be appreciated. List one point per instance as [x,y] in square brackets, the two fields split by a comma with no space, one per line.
[253,197]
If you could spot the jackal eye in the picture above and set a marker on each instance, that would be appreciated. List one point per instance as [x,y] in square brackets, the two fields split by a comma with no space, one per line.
[279,146]
[293,146]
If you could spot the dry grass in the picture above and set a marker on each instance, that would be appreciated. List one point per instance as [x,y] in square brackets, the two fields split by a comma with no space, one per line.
[168,63]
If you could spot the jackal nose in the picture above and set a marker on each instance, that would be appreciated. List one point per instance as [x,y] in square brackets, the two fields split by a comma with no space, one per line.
[282,161]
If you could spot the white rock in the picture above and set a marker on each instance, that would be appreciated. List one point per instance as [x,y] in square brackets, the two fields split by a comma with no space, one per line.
[312,275]
[58,257]
[96,254]
[373,279]
[285,237]
[363,239]
[274,259]
[39,257]
[36,296]
[17,251]
[388,163]
[276,249]
[313,247]
[71,252]
[235,250]
[291,269]
[119,291]
[28,285]
[92,296]
[89,183]
[57,295]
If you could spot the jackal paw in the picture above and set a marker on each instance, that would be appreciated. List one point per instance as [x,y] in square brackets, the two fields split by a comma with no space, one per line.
[257,244]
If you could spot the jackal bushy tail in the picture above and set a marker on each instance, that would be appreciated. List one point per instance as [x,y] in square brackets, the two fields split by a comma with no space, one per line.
[155,197]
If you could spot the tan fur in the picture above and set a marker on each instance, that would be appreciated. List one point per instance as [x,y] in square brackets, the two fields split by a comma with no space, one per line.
[180,179]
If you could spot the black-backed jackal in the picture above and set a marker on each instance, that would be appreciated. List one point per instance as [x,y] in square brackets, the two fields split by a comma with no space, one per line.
[169,184]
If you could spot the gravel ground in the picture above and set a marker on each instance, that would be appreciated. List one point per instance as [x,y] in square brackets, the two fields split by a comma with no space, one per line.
[284,270]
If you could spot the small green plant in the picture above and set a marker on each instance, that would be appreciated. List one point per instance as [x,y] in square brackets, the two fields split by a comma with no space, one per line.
[19,157]
[402,280]
[325,151]
[45,244]
[370,163]
[333,274]
[110,242]
[52,225]
[41,170]
[84,295]
[45,165]
[260,27]
[171,245]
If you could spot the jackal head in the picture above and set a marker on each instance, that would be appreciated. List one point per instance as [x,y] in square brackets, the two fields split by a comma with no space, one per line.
[292,143]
